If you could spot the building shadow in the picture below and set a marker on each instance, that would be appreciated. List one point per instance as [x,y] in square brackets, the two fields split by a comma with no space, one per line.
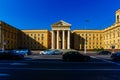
[78,42]
[31,43]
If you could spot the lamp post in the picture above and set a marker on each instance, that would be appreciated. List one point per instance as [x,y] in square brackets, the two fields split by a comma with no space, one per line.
[113,47]
[85,50]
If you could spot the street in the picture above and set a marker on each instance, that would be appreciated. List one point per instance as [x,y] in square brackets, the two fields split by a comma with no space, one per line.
[41,67]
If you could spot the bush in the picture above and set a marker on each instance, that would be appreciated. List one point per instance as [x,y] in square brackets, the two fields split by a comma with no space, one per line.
[98,49]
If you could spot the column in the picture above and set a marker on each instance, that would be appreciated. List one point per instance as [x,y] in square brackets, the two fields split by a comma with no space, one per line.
[68,44]
[53,39]
[63,40]
[57,39]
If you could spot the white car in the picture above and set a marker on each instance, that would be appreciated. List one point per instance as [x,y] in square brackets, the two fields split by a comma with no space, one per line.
[46,52]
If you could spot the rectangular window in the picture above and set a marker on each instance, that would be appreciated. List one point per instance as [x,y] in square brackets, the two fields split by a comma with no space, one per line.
[118,34]
[38,38]
[113,35]
[119,41]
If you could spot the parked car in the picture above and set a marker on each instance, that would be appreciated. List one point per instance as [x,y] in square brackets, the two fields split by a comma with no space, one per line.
[57,52]
[115,56]
[48,52]
[51,52]
[10,55]
[104,53]
[22,51]
[75,56]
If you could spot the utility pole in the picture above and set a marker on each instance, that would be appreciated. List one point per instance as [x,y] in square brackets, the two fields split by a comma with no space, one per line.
[85,50]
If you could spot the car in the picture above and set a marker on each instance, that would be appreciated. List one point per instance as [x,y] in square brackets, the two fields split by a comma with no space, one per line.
[104,53]
[9,55]
[22,51]
[56,52]
[51,52]
[115,56]
[46,52]
[75,56]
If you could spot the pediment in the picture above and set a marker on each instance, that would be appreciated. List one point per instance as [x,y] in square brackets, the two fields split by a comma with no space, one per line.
[61,23]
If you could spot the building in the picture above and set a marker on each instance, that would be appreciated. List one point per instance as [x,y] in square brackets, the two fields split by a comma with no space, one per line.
[35,39]
[9,36]
[60,37]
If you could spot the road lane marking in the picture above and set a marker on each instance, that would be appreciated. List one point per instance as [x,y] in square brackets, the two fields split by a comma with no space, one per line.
[18,64]
[4,75]
[4,63]
[47,69]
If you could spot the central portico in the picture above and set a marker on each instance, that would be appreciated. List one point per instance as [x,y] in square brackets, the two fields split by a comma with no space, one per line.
[61,35]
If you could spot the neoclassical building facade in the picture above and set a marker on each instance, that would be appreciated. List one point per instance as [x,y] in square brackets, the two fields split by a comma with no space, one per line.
[60,37]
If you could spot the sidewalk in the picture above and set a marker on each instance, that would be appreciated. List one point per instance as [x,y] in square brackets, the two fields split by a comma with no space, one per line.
[99,56]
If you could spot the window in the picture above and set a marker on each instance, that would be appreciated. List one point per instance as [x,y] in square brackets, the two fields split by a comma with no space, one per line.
[117,18]
[118,46]
[42,38]
[119,41]
[110,35]
[114,41]
[42,35]
[118,34]
[42,43]
[38,38]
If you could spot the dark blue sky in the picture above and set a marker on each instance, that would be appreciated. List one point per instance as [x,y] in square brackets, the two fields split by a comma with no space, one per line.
[40,14]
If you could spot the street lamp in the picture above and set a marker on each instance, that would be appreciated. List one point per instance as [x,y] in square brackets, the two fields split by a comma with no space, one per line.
[86,21]
[113,47]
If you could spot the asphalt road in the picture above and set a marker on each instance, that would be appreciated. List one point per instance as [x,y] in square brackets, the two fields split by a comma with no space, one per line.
[45,68]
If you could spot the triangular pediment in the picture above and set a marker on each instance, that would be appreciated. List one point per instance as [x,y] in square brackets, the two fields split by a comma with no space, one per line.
[61,23]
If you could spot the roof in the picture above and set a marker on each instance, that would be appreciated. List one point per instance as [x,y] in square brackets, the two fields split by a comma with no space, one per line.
[61,23]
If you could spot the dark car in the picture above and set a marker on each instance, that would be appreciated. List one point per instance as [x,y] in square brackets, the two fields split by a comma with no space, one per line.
[75,56]
[9,55]
[104,53]
[115,56]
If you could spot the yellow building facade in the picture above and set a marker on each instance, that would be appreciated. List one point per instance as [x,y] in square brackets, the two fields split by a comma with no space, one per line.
[60,37]
[91,39]
[35,39]
[8,36]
